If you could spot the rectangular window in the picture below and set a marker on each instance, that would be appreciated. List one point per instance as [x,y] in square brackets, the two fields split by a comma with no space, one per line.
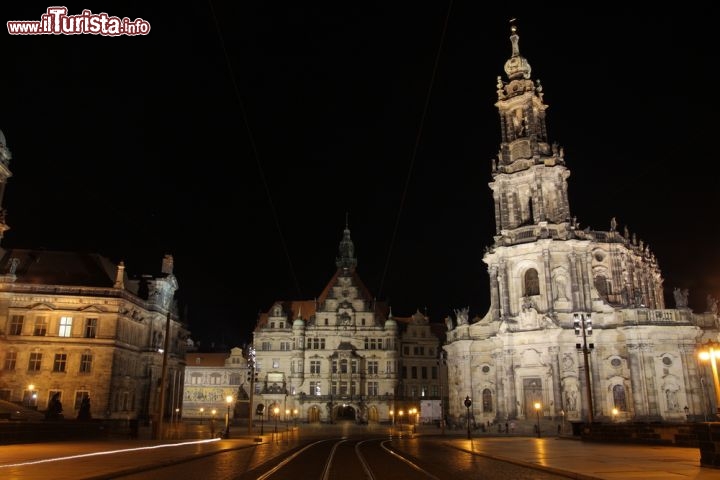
[276,362]
[41,324]
[86,363]
[434,391]
[314,388]
[433,372]
[372,388]
[406,350]
[353,388]
[16,324]
[413,372]
[90,327]
[65,326]
[334,366]
[404,372]
[315,366]
[372,367]
[333,388]
[35,362]
[60,362]
[423,372]
[343,366]
[10,360]
[79,396]
[52,393]
[389,367]
[343,388]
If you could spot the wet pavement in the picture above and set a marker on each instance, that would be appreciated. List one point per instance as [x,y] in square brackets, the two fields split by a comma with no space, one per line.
[562,455]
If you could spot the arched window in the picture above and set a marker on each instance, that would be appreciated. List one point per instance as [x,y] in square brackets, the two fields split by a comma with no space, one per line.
[532,283]
[487,400]
[619,398]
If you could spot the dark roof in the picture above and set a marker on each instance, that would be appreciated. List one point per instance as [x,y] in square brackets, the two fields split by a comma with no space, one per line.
[44,267]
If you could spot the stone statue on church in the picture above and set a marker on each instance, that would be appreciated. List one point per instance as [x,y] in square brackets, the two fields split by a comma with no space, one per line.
[462,315]
[712,304]
[681,297]
[448,323]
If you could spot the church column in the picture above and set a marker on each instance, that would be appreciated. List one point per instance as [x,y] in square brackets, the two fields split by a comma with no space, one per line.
[538,202]
[639,397]
[649,379]
[494,293]
[498,212]
[504,294]
[555,366]
[501,400]
[549,294]
[574,283]
[586,268]
[690,380]
[511,394]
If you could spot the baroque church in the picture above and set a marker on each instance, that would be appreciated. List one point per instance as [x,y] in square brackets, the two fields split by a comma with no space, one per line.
[577,326]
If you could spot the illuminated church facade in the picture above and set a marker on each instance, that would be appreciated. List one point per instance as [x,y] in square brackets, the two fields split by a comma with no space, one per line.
[577,326]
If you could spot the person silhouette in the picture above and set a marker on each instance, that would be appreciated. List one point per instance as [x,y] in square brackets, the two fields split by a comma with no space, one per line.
[84,412]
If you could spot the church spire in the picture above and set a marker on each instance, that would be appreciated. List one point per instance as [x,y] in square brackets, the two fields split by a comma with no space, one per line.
[529,175]
[517,66]
[346,252]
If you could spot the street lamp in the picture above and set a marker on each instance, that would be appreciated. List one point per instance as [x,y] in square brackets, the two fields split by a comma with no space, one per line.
[468,404]
[562,415]
[212,423]
[538,406]
[411,414]
[295,415]
[229,400]
[287,414]
[400,414]
[276,411]
[710,353]
[615,412]
[202,410]
[583,324]
[32,397]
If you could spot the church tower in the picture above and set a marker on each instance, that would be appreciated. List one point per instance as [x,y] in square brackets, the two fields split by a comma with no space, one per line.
[553,285]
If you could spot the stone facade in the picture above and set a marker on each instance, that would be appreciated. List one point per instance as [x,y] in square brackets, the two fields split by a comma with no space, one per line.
[79,325]
[577,322]
[343,355]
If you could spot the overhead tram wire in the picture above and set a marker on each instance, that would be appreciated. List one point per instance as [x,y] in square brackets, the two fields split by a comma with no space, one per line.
[256,153]
[415,149]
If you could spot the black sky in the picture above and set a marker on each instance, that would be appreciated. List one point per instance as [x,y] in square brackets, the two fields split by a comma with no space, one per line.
[236,136]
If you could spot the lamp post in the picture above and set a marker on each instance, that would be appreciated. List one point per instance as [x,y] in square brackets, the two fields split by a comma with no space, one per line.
[212,423]
[562,415]
[711,352]
[538,406]
[229,400]
[468,404]
[400,414]
[583,324]
[295,415]
[411,419]
[287,419]
[276,411]
[615,412]
[32,396]
[202,410]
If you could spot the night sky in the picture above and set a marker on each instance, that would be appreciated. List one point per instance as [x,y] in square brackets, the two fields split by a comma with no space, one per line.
[237,136]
